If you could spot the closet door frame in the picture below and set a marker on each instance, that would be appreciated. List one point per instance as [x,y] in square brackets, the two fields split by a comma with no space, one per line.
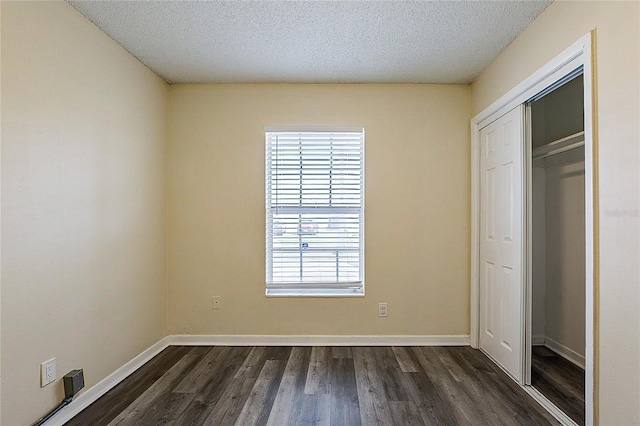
[579,54]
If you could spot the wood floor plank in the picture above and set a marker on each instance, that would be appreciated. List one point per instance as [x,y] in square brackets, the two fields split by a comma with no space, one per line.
[257,407]
[311,410]
[566,374]
[253,364]
[112,403]
[345,409]
[199,376]
[318,374]
[341,352]
[433,407]
[395,383]
[502,387]
[166,410]
[373,401]
[560,381]
[218,378]
[492,409]
[231,402]
[155,394]
[279,352]
[406,362]
[405,413]
[229,406]
[460,404]
[291,386]
[572,407]
[325,385]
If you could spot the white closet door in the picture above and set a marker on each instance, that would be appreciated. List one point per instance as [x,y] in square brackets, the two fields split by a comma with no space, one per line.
[501,242]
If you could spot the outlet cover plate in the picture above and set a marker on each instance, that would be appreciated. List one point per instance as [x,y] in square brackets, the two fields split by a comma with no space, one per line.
[382,309]
[216,303]
[47,372]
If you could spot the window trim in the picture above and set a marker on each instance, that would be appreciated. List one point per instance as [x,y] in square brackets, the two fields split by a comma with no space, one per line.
[345,289]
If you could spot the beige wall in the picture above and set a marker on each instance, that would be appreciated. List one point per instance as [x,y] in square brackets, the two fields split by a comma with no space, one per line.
[617,45]
[83,204]
[538,252]
[417,208]
[565,250]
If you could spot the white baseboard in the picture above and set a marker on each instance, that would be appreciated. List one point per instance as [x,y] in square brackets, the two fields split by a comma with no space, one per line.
[537,340]
[86,398]
[316,340]
[549,406]
[565,352]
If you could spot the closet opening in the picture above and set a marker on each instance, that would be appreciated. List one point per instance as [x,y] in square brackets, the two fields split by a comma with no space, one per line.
[557,258]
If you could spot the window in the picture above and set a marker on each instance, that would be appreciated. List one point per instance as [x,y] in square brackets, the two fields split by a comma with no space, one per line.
[315,212]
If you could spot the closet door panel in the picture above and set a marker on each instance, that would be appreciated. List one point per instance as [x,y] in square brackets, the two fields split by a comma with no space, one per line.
[501,242]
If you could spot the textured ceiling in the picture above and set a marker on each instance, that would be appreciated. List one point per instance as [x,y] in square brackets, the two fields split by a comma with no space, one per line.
[313,41]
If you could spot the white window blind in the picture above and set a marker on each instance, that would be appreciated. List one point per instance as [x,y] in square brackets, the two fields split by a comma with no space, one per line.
[314,212]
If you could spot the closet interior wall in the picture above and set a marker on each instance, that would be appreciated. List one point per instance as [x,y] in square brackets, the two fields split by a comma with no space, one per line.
[558,225]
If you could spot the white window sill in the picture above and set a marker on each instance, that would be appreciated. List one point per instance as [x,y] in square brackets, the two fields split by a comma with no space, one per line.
[298,292]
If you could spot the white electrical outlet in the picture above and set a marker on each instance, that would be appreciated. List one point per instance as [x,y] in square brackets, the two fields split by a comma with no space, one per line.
[382,309]
[47,372]
[216,303]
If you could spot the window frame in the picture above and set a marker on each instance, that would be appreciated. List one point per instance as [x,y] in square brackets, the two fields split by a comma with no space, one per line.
[315,289]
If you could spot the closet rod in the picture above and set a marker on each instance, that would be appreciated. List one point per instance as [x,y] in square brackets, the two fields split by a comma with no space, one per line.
[559,146]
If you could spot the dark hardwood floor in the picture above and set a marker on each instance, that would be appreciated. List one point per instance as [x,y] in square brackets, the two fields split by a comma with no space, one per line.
[560,381]
[224,385]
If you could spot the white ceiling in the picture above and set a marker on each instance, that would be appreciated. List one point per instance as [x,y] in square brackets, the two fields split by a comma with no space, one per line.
[313,41]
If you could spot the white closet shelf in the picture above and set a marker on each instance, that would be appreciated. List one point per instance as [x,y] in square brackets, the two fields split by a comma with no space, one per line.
[561,145]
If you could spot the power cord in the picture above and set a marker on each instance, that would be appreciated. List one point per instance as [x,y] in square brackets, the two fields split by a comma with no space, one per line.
[53,412]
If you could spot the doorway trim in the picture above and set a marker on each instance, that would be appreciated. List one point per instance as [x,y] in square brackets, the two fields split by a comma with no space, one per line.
[578,54]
